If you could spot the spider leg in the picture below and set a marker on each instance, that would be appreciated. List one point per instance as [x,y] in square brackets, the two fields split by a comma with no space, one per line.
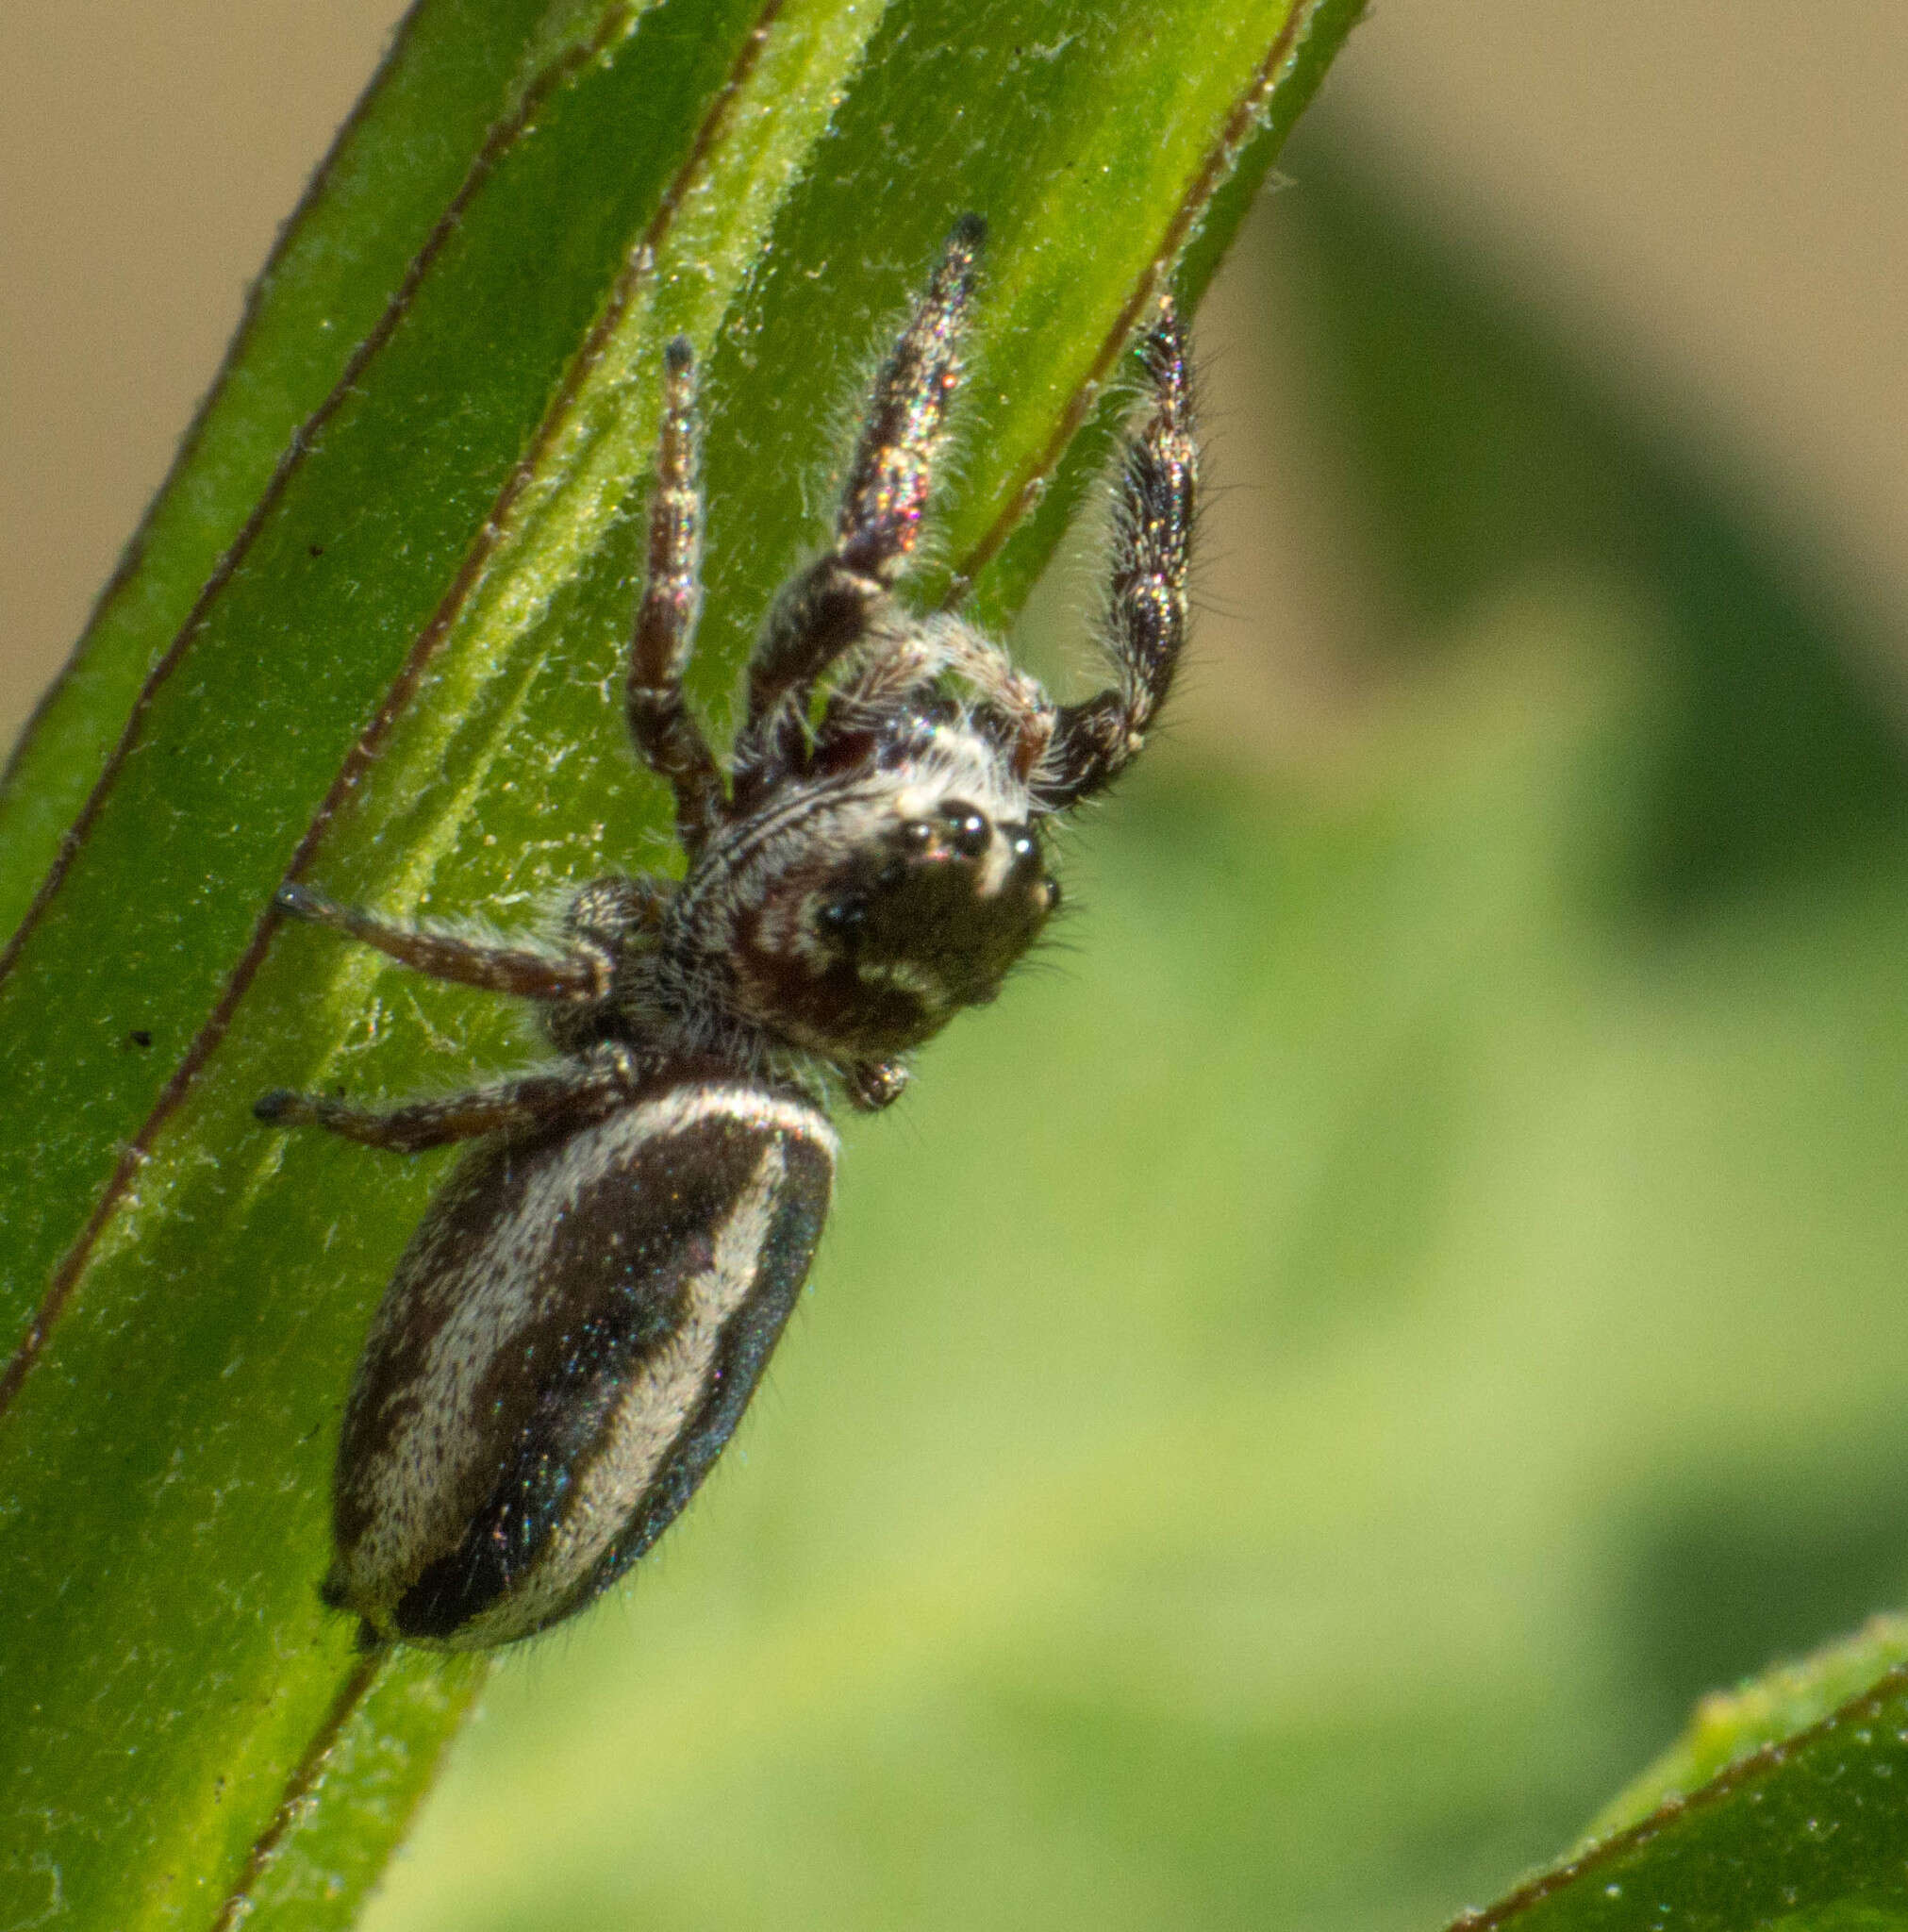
[888,486]
[557,978]
[570,1096]
[825,609]
[666,733]
[1146,617]
[607,913]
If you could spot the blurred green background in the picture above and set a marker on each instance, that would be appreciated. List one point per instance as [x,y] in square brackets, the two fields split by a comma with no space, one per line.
[1403,1295]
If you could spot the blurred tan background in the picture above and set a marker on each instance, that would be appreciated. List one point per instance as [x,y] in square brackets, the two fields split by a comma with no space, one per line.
[1711,194]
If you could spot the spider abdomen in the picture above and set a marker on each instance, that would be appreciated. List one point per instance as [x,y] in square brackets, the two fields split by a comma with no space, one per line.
[570,1339]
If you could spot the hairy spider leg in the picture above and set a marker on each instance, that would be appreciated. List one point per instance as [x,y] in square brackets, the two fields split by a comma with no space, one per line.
[557,978]
[669,737]
[609,913]
[605,916]
[892,474]
[570,1097]
[824,610]
[1145,624]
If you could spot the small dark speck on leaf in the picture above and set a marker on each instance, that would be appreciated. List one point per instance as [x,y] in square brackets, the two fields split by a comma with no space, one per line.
[139,1037]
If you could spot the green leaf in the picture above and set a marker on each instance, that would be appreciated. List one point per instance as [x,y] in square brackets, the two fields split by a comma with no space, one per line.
[1731,1725]
[322,301]
[371,634]
[1781,1807]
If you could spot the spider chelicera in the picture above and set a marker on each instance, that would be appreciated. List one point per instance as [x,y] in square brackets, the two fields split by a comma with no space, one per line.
[576,1326]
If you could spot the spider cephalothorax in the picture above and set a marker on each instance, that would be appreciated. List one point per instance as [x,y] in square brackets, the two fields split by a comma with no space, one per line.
[576,1326]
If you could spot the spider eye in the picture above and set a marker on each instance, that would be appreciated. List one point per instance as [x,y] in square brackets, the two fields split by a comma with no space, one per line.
[842,916]
[927,914]
[968,831]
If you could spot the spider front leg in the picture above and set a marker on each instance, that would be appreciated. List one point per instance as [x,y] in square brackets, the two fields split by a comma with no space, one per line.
[825,610]
[667,736]
[1094,741]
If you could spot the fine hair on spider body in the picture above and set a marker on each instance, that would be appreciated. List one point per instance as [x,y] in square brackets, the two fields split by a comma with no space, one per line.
[576,1326]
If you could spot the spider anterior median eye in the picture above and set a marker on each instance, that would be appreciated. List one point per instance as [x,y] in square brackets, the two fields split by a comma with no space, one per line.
[971,834]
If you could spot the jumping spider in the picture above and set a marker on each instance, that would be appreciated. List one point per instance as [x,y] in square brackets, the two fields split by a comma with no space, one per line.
[578,1324]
